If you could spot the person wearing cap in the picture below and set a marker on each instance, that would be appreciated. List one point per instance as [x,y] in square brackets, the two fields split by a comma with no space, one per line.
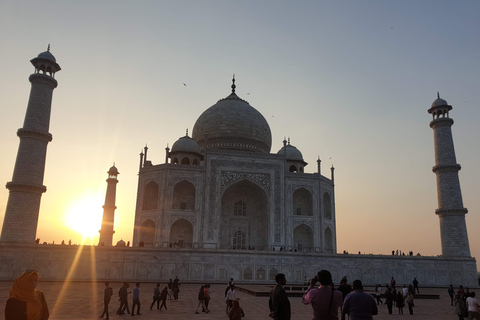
[26,302]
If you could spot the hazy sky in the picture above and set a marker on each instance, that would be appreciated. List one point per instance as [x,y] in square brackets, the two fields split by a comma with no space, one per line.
[349,81]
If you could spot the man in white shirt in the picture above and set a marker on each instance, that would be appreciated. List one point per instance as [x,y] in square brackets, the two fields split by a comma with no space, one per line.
[473,307]
[405,291]
[229,297]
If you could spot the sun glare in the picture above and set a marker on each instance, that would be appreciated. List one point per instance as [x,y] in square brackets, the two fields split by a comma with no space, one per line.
[84,216]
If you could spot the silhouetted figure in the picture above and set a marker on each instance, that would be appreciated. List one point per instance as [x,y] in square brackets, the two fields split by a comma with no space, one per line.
[156,296]
[451,293]
[26,302]
[400,302]
[279,304]
[358,304]
[344,287]
[123,297]
[163,297]
[415,285]
[389,296]
[107,296]
[235,313]
[409,301]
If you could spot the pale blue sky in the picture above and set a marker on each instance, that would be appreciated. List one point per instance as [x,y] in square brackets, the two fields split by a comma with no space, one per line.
[346,80]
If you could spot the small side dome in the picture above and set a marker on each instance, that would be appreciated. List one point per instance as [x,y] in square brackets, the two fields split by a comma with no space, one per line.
[121,243]
[47,55]
[439,102]
[186,144]
[292,152]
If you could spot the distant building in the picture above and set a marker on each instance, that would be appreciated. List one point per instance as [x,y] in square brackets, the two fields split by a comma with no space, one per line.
[223,189]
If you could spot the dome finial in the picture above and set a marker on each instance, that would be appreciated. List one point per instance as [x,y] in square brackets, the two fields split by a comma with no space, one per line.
[438,95]
[48,48]
[288,140]
[186,132]
[233,84]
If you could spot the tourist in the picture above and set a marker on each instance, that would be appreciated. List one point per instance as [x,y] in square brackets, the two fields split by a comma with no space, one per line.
[451,293]
[201,300]
[473,307]
[378,292]
[278,303]
[206,293]
[156,296]
[175,288]
[107,296]
[325,300]
[404,291]
[235,313]
[400,302]
[460,308]
[170,289]
[409,301]
[344,287]
[393,282]
[123,295]
[163,297]
[415,285]
[358,304]
[26,302]
[136,299]
[230,296]
[389,296]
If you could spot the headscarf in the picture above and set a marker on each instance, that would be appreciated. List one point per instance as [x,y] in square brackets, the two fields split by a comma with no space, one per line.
[21,291]
[235,312]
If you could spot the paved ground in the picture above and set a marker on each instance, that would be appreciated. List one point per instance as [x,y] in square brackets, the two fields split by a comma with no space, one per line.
[84,301]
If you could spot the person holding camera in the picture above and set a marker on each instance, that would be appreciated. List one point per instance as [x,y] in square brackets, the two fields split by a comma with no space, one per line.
[325,300]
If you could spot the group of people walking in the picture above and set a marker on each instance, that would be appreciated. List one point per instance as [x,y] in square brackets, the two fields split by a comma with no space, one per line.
[170,290]
[466,304]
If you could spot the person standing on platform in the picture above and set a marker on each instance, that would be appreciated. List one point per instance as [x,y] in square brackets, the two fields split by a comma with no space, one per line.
[451,293]
[415,285]
[107,296]
[279,304]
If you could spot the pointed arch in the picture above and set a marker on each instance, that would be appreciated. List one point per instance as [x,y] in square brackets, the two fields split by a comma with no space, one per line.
[260,274]
[147,233]
[150,196]
[328,240]
[327,206]
[293,168]
[254,224]
[185,160]
[248,274]
[181,233]
[303,238]
[271,275]
[184,196]
[302,202]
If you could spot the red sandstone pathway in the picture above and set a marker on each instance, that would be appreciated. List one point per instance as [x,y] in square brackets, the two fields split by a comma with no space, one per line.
[84,301]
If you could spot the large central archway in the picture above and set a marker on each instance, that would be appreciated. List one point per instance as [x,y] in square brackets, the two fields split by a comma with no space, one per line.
[244,211]
[181,234]
[303,238]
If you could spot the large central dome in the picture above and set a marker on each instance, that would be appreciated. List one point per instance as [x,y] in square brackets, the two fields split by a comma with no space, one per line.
[233,124]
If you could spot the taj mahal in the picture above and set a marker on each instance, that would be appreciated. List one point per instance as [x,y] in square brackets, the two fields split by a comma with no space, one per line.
[222,205]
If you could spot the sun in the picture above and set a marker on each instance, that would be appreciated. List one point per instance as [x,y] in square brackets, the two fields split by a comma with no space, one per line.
[84,215]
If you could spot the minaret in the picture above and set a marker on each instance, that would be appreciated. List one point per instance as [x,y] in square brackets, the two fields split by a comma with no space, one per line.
[453,229]
[26,187]
[106,233]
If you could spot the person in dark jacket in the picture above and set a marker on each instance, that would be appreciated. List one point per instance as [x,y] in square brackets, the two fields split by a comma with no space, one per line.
[163,297]
[107,296]
[279,304]
[25,301]
[123,295]
[156,296]
[201,300]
